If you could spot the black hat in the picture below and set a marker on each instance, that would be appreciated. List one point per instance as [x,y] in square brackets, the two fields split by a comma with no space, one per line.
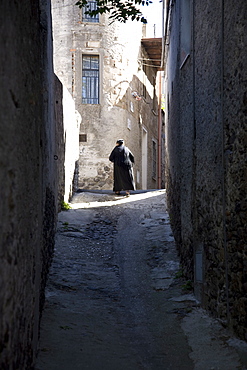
[120,141]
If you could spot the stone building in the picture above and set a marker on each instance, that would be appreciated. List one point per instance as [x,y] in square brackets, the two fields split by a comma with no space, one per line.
[34,148]
[107,69]
[206,135]
[28,176]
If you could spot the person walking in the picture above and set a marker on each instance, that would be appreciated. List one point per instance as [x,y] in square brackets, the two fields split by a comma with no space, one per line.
[123,161]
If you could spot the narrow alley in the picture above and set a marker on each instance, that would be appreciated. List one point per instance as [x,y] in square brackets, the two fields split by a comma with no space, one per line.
[115,298]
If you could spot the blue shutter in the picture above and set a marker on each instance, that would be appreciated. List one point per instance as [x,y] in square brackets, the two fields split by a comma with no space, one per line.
[90,79]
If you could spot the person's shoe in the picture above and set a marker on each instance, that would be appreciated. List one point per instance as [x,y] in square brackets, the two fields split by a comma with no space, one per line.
[117,192]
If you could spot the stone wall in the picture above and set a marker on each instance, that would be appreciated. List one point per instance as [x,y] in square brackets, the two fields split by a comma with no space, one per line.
[235,145]
[118,114]
[28,175]
[206,142]
[72,120]
[60,143]
[67,151]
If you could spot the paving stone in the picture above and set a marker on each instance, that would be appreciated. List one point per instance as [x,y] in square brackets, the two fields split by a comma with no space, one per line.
[113,301]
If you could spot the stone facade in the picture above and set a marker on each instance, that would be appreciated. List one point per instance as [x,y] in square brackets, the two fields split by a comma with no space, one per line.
[122,71]
[26,172]
[32,154]
[206,146]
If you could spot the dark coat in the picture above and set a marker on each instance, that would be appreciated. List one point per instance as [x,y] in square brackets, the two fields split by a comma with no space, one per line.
[123,159]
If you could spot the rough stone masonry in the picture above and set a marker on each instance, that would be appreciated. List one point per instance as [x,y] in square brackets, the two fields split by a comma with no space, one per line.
[116,299]
[28,175]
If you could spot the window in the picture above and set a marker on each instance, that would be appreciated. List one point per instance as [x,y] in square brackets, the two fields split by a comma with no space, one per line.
[91,5]
[83,138]
[90,79]
[154,159]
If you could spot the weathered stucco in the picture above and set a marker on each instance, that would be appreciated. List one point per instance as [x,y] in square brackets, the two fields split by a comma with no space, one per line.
[118,115]
[206,163]
[235,145]
[28,175]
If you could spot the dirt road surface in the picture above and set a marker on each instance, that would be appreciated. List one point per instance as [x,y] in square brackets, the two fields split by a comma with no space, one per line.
[115,299]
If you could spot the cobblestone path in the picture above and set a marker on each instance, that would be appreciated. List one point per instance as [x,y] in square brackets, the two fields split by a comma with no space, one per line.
[113,301]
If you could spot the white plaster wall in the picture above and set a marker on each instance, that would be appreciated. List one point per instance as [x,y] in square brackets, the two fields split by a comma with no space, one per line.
[72,120]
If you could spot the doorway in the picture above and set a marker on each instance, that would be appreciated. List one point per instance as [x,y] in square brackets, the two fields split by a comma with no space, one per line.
[144,157]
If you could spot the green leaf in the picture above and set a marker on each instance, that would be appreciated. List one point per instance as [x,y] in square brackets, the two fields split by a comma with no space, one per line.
[120,11]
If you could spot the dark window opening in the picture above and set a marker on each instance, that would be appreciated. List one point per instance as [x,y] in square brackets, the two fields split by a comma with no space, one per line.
[91,5]
[90,79]
[83,138]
